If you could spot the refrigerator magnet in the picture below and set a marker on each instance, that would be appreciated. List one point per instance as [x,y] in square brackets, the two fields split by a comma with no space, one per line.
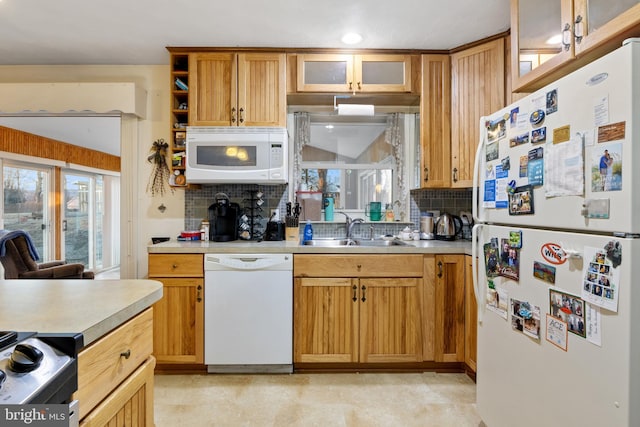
[521,201]
[557,332]
[515,239]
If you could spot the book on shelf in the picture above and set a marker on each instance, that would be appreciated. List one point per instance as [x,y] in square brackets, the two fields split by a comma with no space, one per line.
[181,85]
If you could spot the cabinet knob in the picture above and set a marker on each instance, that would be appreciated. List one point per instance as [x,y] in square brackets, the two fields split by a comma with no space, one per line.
[359,266]
[126,354]
[350,85]
[359,86]
[174,266]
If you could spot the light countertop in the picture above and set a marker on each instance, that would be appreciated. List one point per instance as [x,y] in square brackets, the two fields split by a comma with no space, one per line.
[90,307]
[241,246]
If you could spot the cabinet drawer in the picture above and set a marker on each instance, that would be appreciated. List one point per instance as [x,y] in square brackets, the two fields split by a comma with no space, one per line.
[357,265]
[176,265]
[110,360]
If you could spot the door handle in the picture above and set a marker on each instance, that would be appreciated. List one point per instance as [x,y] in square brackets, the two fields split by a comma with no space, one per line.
[364,293]
[440,269]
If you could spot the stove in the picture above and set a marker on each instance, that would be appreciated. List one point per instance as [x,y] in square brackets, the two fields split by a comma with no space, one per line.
[38,368]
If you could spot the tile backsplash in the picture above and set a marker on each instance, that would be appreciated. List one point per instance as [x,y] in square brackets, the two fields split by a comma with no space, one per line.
[197,202]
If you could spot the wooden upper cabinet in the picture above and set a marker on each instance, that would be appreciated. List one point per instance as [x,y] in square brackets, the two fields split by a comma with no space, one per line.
[477,89]
[262,92]
[598,22]
[237,89]
[435,122]
[353,73]
[584,30]
[532,24]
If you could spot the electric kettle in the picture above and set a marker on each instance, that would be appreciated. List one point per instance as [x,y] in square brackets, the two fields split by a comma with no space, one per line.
[447,227]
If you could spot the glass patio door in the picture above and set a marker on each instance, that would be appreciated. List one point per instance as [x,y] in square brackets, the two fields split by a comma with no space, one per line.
[78,223]
[26,190]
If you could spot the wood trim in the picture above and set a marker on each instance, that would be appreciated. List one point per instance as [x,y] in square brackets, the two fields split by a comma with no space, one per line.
[57,215]
[504,34]
[28,144]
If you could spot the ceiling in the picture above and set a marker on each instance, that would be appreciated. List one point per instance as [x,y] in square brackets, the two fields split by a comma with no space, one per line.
[137,31]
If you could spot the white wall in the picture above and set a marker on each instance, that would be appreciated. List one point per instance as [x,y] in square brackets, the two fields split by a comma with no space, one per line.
[156,82]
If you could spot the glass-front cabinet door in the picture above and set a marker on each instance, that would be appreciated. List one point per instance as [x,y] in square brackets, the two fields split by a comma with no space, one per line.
[325,73]
[541,39]
[597,21]
[353,73]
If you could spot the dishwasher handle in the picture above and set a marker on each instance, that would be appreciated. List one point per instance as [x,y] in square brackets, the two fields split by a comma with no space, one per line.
[248,262]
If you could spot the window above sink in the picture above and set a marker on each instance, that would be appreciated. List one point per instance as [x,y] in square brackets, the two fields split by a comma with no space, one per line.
[354,159]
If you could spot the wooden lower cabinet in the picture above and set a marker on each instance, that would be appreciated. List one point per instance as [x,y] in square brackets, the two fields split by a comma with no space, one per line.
[449,308]
[115,376]
[178,327]
[130,405]
[325,320]
[390,320]
[359,319]
[470,316]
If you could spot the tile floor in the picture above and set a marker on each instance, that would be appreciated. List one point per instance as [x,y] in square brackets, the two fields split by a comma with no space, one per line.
[408,399]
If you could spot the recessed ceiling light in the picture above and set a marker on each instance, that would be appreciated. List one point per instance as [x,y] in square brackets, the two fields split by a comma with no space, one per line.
[328,126]
[557,39]
[351,38]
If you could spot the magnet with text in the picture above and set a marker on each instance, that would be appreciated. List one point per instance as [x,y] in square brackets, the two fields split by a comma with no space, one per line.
[553,253]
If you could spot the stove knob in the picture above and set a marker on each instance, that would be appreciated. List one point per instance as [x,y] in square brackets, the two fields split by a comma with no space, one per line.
[3,377]
[25,358]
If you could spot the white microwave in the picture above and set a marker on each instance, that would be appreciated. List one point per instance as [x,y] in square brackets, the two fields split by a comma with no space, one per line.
[237,155]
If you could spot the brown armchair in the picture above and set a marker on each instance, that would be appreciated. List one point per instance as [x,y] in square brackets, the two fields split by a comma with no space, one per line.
[18,263]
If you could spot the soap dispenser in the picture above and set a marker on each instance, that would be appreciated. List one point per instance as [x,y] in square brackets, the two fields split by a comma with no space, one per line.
[308,232]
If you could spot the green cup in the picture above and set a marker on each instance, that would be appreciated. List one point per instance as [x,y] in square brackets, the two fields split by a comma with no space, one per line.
[373,211]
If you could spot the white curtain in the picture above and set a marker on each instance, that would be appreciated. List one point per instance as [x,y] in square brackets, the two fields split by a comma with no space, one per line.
[300,139]
[393,137]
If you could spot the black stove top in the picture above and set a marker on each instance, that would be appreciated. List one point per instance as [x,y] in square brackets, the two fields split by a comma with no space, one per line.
[38,368]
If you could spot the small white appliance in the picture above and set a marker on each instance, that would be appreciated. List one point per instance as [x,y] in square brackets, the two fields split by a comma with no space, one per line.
[236,155]
[556,248]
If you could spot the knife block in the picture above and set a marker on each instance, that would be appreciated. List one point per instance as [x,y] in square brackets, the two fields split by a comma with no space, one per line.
[292,234]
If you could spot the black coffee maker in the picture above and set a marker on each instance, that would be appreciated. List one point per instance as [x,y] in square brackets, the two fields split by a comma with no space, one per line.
[223,219]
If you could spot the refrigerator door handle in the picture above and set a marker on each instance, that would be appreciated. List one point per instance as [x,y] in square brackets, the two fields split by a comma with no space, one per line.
[475,256]
[476,174]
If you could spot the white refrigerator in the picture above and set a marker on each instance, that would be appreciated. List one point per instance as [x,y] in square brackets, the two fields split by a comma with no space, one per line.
[557,253]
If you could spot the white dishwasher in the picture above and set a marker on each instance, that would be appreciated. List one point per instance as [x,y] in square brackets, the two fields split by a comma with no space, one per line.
[248,312]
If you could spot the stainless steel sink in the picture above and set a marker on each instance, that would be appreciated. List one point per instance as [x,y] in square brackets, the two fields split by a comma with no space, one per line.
[353,243]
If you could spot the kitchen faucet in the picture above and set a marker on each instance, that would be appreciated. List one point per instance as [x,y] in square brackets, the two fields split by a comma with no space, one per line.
[349,223]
